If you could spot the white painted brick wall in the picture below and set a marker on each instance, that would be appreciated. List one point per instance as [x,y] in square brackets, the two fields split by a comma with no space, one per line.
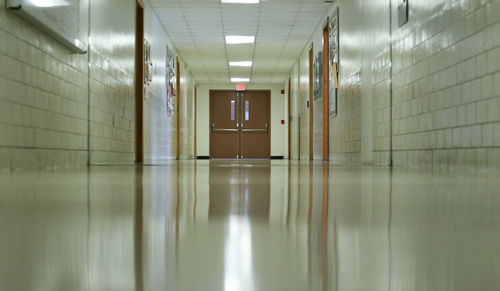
[43,101]
[44,94]
[450,55]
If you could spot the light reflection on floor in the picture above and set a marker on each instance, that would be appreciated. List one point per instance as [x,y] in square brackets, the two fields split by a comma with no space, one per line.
[258,225]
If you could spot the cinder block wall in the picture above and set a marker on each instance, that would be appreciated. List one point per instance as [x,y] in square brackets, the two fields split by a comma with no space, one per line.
[43,98]
[60,109]
[446,106]
[445,110]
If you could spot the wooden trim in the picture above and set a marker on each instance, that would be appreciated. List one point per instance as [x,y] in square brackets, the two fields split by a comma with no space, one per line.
[311,102]
[195,120]
[289,119]
[139,83]
[178,99]
[139,228]
[269,123]
[210,138]
[309,219]
[326,97]
[324,229]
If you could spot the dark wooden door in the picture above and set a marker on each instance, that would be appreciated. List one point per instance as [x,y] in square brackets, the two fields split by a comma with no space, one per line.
[223,125]
[256,126]
[240,124]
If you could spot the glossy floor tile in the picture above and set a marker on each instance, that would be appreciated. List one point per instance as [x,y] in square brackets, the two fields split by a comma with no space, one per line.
[226,225]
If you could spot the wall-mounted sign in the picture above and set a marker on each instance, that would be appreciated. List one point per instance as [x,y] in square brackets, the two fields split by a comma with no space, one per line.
[240,87]
[333,61]
[61,19]
[171,81]
[402,12]
[318,76]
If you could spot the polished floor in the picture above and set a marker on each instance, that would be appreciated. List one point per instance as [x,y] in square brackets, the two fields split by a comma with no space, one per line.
[227,225]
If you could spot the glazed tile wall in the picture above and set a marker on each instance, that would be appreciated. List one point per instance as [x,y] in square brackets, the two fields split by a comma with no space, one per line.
[318,103]
[187,115]
[111,79]
[43,98]
[345,128]
[302,105]
[445,76]
[294,113]
[446,106]
[375,85]
[45,93]
[286,118]
[160,128]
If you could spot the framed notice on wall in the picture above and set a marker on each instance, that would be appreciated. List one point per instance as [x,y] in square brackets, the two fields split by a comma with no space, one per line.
[333,61]
[318,76]
[61,19]
[171,81]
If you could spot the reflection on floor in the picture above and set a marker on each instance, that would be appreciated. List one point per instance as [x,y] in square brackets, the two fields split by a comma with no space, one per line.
[227,225]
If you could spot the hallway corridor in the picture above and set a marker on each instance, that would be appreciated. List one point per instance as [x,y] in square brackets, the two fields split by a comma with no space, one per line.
[242,225]
[249,145]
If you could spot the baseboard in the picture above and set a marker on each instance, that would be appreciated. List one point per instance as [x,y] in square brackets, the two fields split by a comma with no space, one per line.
[203,158]
[277,157]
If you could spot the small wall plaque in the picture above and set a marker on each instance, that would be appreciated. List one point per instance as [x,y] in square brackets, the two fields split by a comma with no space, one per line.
[402,12]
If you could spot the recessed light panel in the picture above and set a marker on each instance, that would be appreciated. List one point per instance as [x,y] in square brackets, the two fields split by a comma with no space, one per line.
[241,64]
[240,80]
[241,1]
[237,39]
[49,3]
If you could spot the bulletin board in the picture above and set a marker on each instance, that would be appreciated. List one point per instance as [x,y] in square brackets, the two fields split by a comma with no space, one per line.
[58,18]
[171,81]
[333,61]
[318,76]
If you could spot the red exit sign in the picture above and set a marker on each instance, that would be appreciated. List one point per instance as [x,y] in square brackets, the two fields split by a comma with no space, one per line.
[240,87]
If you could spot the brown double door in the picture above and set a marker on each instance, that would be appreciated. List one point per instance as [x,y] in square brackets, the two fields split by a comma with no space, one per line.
[240,125]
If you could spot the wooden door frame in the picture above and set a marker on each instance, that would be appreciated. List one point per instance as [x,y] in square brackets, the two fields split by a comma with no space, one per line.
[177,109]
[326,93]
[139,83]
[289,120]
[195,121]
[226,91]
[311,101]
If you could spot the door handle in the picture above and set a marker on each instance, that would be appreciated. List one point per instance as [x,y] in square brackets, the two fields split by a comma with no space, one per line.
[223,129]
[256,129]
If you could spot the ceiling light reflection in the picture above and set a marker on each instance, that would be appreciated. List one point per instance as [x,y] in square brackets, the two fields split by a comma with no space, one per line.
[238,267]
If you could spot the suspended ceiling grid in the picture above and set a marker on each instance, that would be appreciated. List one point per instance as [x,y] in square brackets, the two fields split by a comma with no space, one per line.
[282,29]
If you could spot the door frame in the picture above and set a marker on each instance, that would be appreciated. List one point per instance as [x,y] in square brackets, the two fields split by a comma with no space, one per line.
[215,91]
[177,109]
[311,102]
[326,93]
[195,121]
[139,82]
[289,119]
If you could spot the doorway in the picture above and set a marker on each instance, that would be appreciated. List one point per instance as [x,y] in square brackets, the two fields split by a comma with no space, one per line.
[139,83]
[240,126]
[311,104]
[326,95]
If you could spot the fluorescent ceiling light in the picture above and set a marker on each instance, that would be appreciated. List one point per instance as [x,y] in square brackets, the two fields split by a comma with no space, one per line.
[49,3]
[240,80]
[235,39]
[241,64]
[240,1]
